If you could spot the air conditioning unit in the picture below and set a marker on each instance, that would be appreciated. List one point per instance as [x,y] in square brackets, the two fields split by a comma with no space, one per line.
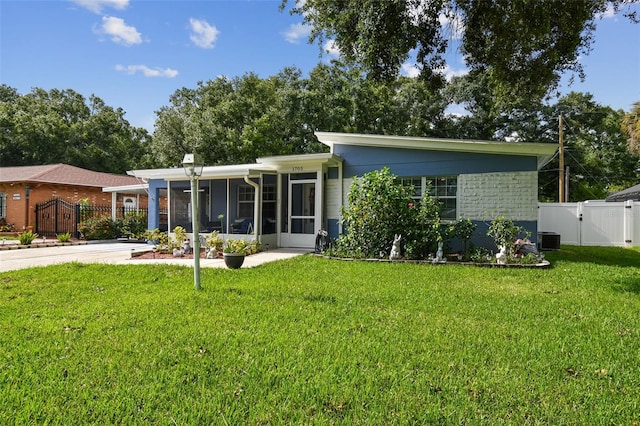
[548,241]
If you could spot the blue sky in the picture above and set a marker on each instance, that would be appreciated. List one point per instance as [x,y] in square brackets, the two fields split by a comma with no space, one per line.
[135,54]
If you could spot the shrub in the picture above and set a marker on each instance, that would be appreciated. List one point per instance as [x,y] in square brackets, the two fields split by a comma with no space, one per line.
[378,209]
[463,229]
[63,238]
[133,225]
[5,226]
[27,237]
[233,245]
[424,231]
[98,228]
[504,233]
[214,240]
[179,235]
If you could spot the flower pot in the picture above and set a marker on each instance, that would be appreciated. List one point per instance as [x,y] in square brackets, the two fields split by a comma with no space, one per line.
[233,260]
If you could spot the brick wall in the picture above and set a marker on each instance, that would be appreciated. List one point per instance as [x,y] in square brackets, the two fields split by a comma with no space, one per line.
[21,212]
[487,195]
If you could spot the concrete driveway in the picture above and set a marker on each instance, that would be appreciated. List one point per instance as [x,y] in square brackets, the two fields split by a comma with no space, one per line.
[118,253]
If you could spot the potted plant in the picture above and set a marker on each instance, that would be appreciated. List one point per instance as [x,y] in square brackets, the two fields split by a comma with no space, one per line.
[234,252]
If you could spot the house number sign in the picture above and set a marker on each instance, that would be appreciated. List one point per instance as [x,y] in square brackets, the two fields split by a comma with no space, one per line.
[297,169]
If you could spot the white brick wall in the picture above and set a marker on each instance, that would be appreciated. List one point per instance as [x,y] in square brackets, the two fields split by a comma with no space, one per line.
[334,199]
[484,196]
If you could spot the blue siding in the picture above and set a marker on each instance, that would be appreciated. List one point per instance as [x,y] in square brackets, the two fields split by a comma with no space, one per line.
[333,228]
[412,162]
[481,239]
[153,202]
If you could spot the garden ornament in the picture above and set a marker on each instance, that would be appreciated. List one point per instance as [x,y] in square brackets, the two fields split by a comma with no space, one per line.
[395,249]
[211,253]
[439,254]
[501,257]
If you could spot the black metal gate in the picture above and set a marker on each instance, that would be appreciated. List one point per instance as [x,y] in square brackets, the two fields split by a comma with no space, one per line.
[57,216]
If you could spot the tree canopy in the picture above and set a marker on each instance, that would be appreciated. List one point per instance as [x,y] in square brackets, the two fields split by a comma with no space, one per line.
[61,126]
[524,46]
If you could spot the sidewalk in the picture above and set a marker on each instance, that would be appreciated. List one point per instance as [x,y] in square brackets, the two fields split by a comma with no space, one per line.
[118,253]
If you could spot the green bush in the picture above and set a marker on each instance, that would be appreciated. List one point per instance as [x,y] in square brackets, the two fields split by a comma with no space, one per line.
[63,238]
[98,228]
[463,229]
[505,233]
[27,237]
[424,231]
[5,226]
[236,246]
[378,209]
[132,225]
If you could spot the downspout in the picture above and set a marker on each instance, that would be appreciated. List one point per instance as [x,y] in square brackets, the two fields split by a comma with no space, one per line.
[256,208]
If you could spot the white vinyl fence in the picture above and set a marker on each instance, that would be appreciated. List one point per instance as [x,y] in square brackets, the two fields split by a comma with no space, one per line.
[592,223]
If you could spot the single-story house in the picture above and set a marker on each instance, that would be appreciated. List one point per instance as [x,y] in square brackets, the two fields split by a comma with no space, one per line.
[632,193]
[285,200]
[22,188]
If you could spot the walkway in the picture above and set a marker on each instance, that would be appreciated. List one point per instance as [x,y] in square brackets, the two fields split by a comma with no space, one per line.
[119,254]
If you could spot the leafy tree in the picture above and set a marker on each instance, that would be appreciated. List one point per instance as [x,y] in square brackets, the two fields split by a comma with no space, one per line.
[61,126]
[237,120]
[523,45]
[631,127]
[595,147]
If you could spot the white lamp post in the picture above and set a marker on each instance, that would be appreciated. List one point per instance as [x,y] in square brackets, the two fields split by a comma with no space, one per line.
[193,169]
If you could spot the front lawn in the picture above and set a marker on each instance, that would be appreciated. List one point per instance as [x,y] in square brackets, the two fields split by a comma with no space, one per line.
[311,340]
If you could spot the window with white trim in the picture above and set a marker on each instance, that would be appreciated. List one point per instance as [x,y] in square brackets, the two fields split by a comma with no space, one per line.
[442,188]
[246,200]
[445,190]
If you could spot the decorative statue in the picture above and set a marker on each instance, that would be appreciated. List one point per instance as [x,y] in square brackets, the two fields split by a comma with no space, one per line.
[178,252]
[211,253]
[501,257]
[439,254]
[186,246]
[395,249]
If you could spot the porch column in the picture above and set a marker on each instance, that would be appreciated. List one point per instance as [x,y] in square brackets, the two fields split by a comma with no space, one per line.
[114,203]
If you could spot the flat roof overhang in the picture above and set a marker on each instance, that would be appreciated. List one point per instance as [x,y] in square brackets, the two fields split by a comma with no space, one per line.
[543,151]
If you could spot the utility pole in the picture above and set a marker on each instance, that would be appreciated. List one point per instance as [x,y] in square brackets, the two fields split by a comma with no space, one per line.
[561,197]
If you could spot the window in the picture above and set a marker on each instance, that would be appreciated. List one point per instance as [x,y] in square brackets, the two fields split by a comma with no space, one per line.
[442,188]
[246,198]
[417,186]
[445,189]
[3,205]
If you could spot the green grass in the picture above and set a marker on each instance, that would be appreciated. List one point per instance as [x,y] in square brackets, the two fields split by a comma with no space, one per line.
[318,341]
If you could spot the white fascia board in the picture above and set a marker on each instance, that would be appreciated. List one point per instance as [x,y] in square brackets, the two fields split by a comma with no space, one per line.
[544,151]
[285,160]
[208,172]
[141,188]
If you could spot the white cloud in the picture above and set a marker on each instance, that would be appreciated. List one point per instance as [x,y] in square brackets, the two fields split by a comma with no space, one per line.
[296,32]
[457,110]
[331,47]
[146,71]
[449,72]
[96,6]
[203,35]
[410,70]
[120,32]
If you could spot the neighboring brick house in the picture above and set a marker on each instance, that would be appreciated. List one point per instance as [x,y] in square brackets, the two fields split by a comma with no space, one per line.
[21,188]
